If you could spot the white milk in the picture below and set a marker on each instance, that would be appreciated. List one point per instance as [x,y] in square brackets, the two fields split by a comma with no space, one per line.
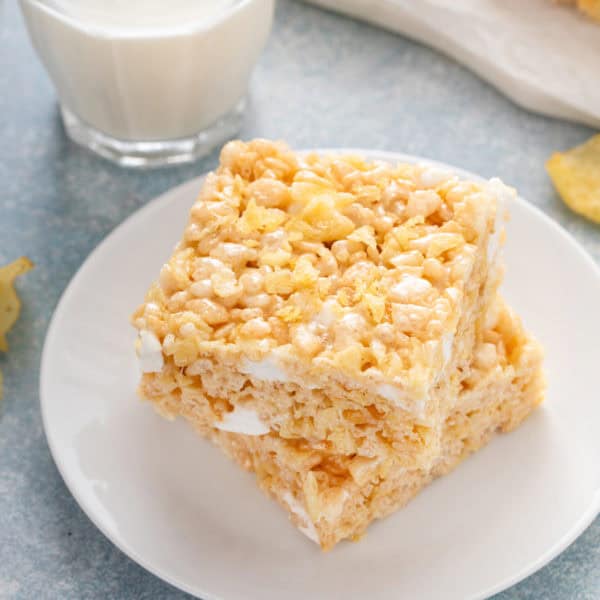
[147,70]
[139,14]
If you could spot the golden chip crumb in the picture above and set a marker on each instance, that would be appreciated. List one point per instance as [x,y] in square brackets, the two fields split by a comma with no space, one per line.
[590,8]
[10,304]
[576,177]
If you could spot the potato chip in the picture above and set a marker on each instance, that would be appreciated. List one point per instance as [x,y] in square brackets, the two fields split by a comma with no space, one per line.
[10,305]
[576,177]
[591,8]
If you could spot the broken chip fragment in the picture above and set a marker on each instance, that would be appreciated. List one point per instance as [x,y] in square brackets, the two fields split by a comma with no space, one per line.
[590,8]
[576,177]
[10,305]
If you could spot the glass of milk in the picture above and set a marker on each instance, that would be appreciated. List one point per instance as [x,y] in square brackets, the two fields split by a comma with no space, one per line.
[149,82]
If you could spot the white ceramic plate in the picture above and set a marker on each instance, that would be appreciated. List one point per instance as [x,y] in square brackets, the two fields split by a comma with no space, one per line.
[182,510]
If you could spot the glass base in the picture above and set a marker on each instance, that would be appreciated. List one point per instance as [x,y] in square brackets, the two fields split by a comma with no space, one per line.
[159,153]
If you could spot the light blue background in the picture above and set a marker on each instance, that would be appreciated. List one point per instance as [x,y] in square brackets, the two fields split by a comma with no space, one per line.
[323,80]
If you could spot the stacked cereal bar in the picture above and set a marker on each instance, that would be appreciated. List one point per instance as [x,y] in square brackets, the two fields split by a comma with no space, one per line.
[333,324]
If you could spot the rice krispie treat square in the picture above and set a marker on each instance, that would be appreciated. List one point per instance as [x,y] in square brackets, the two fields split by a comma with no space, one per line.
[325,299]
[331,496]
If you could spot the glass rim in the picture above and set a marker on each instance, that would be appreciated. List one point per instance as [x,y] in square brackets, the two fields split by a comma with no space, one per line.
[201,24]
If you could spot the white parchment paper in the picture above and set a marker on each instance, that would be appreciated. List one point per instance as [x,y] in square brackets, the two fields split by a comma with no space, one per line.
[544,56]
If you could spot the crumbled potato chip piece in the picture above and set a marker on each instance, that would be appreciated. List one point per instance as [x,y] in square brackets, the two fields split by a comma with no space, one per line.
[576,177]
[591,8]
[10,304]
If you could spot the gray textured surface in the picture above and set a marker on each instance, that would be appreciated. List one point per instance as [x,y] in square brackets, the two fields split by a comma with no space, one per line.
[323,81]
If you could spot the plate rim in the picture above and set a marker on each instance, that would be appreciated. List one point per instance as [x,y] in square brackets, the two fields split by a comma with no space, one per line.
[578,527]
